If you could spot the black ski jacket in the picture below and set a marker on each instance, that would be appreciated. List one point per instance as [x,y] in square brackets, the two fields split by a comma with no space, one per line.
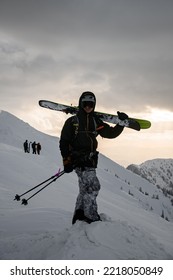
[79,134]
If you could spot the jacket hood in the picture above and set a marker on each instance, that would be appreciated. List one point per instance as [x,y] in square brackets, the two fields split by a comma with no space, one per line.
[87,96]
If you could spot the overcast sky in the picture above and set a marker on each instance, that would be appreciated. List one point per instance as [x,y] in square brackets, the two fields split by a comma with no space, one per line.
[119,49]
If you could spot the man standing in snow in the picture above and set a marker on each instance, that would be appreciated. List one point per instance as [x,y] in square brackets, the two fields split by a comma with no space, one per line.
[34,147]
[78,146]
[38,148]
[25,146]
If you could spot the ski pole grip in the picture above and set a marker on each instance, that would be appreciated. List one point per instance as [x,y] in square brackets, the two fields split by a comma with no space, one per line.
[57,174]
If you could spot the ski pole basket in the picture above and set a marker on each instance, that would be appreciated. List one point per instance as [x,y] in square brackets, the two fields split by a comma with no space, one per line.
[49,180]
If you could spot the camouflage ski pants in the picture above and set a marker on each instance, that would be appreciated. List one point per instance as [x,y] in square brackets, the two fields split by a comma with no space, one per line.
[89,187]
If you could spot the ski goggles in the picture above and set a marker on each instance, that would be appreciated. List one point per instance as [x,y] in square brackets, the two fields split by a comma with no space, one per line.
[88,104]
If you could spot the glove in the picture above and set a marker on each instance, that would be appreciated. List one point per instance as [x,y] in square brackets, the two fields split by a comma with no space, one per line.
[68,166]
[122,116]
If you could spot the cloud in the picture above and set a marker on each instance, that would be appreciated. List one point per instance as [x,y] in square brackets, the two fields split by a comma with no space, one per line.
[125,19]
[121,50]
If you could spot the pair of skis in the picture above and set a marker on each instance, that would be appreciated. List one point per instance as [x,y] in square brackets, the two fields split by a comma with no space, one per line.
[133,123]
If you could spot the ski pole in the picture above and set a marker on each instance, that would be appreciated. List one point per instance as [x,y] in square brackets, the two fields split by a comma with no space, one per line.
[25,201]
[17,196]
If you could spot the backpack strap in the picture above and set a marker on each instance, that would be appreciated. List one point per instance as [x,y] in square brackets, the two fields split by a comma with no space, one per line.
[75,124]
[99,124]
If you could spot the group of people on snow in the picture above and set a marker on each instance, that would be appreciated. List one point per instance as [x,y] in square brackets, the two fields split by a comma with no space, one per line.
[36,147]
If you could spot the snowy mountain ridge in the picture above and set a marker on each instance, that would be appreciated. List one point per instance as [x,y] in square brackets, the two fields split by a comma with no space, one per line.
[159,172]
[131,227]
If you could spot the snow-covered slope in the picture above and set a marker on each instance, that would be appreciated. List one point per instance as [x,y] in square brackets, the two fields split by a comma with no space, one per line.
[158,172]
[131,227]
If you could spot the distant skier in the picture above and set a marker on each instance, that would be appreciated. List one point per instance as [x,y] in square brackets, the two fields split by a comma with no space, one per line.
[34,147]
[78,146]
[25,146]
[38,148]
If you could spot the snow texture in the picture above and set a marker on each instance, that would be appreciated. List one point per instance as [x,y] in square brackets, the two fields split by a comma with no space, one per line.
[131,226]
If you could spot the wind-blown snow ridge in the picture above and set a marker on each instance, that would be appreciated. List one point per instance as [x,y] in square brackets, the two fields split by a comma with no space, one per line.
[131,227]
[157,171]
